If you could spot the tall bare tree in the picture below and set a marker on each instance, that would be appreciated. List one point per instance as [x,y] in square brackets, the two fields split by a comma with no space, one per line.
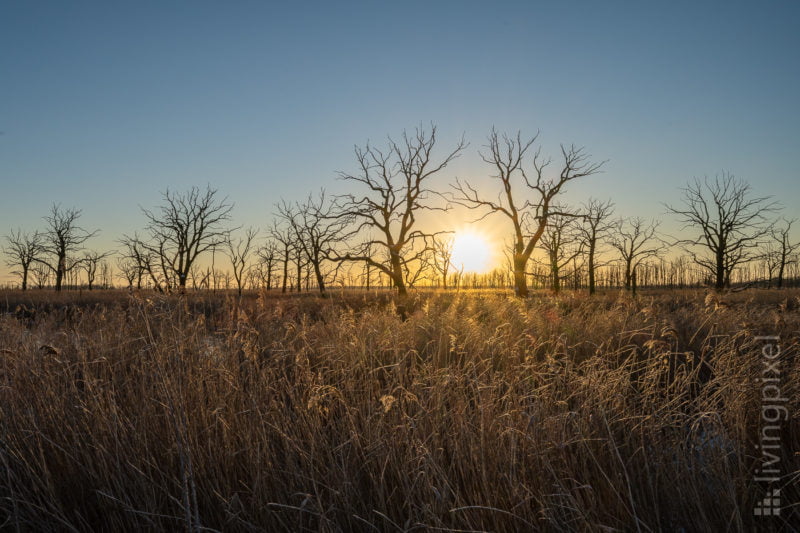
[106,274]
[728,220]
[239,251]
[300,263]
[780,251]
[41,275]
[395,187]
[526,201]
[636,240]
[149,259]
[267,257]
[285,237]
[562,245]
[185,226]
[441,257]
[596,225]
[92,260]
[62,238]
[130,272]
[318,230]
[22,249]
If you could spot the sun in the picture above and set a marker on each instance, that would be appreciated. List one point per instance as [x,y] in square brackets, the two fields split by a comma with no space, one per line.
[471,253]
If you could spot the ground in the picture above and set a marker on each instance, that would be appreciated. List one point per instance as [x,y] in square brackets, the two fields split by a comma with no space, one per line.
[361,412]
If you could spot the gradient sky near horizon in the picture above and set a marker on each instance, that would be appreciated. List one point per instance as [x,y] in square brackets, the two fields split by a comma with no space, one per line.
[104,105]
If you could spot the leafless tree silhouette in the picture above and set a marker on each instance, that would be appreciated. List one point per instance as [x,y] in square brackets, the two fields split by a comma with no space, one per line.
[285,237]
[318,231]
[185,226]
[62,238]
[395,185]
[440,257]
[729,221]
[780,251]
[528,216]
[149,259]
[130,272]
[267,257]
[239,251]
[596,225]
[41,275]
[22,249]
[91,262]
[636,240]
[562,246]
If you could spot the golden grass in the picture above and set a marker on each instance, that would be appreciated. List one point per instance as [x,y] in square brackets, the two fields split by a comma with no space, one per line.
[445,412]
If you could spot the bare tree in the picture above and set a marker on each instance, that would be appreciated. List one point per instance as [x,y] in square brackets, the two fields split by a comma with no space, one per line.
[528,216]
[418,269]
[91,262]
[299,263]
[129,271]
[149,259]
[62,238]
[729,222]
[780,251]
[318,230]
[239,252]
[22,249]
[185,226]
[636,240]
[441,256]
[285,237]
[368,269]
[395,184]
[106,275]
[562,246]
[268,256]
[41,275]
[595,226]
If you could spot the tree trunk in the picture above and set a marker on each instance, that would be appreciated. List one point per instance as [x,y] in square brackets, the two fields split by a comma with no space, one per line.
[397,273]
[320,279]
[285,269]
[520,281]
[628,274]
[719,282]
[24,278]
[299,266]
[591,267]
[556,273]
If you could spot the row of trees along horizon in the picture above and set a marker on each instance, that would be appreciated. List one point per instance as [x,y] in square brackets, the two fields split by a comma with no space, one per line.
[370,237]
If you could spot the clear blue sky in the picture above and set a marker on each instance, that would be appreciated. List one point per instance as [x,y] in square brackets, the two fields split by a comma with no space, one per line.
[104,104]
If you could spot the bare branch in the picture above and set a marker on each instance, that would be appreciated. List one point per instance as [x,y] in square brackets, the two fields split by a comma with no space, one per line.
[397,182]
[729,222]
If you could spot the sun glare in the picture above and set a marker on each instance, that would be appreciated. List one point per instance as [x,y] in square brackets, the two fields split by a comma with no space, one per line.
[471,253]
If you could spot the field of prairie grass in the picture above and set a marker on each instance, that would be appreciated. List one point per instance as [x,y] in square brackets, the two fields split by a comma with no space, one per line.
[468,411]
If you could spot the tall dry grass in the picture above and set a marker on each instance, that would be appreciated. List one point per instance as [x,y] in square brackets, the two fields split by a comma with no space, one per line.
[446,412]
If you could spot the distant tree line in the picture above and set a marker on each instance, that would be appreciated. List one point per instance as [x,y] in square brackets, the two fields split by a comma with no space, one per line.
[370,237]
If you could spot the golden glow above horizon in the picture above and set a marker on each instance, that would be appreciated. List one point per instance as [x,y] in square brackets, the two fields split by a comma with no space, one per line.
[471,252]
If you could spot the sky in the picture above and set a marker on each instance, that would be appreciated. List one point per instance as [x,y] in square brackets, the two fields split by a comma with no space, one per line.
[104,105]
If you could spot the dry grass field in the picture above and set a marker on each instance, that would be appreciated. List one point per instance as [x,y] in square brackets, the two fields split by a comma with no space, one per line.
[469,411]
